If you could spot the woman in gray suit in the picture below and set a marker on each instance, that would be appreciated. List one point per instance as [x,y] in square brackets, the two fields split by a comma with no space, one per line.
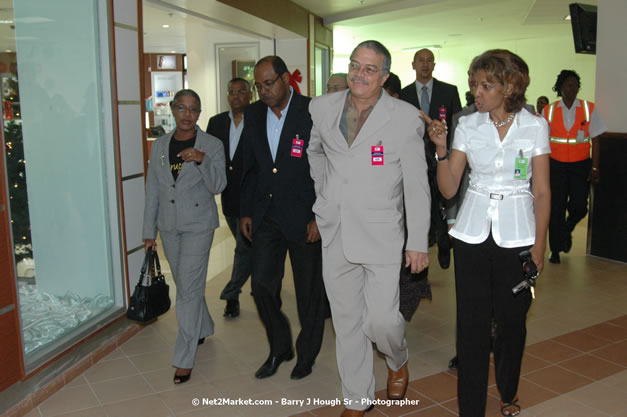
[185,173]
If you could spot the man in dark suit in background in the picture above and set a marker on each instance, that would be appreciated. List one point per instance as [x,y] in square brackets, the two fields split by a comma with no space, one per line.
[277,217]
[228,128]
[440,101]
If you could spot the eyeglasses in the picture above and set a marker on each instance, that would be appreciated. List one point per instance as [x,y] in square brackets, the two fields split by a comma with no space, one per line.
[266,84]
[355,66]
[182,108]
[232,93]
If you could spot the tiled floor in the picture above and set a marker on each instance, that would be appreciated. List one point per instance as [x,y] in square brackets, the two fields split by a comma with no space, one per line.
[575,363]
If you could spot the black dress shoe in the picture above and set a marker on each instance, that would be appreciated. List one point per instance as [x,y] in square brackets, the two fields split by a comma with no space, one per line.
[201,341]
[568,243]
[444,258]
[554,258]
[232,309]
[301,370]
[452,364]
[271,364]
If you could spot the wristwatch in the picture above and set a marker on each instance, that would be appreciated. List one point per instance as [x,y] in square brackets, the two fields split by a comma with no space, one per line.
[445,157]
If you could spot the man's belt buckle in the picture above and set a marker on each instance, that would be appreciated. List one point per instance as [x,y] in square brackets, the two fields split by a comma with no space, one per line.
[495,196]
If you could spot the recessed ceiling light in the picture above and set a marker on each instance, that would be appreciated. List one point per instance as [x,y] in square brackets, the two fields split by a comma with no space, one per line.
[567,17]
[6,21]
[172,52]
[165,26]
[8,50]
[417,48]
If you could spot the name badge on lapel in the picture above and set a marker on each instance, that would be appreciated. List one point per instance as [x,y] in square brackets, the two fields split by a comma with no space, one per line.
[297,147]
[376,155]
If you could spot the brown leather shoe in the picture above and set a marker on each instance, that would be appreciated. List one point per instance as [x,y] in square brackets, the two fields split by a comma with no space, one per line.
[397,383]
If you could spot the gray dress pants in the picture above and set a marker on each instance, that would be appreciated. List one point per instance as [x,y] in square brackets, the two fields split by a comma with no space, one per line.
[364,302]
[188,256]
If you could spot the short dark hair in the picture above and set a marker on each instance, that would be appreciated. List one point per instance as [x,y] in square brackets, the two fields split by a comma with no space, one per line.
[543,97]
[508,69]
[393,83]
[380,50]
[240,80]
[278,65]
[185,92]
[561,78]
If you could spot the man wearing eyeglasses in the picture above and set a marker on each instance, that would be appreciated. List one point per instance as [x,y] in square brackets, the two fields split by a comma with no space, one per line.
[228,128]
[438,100]
[276,200]
[367,160]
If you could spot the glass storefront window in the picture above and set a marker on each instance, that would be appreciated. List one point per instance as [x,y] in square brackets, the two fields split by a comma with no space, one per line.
[61,173]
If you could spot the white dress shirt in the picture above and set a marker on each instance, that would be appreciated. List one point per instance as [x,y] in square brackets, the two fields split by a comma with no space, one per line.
[429,86]
[235,132]
[597,126]
[274,126]
[496,201]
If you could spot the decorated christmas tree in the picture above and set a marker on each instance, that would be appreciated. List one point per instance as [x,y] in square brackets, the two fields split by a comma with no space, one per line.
[16,170]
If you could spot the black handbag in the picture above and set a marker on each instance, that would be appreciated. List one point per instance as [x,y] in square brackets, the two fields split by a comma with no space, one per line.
[149,301]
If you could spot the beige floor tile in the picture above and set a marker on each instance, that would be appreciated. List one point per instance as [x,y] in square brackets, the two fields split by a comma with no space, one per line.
[149,406]
[161,380]
[618,381]
[149,343]
[562,407]
[89,412]
[120,389]
[183,398]
[68,400]
[110,369]
[600,397]
[116,354]
[153,361]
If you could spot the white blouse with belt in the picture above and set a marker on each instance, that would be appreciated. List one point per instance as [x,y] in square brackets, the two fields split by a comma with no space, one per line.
[499,197]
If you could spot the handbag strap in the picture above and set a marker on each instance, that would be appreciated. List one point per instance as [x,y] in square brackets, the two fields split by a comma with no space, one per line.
[155,258]
[147,261]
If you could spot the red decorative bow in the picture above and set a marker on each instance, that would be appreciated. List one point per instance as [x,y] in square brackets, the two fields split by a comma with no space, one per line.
[295,78]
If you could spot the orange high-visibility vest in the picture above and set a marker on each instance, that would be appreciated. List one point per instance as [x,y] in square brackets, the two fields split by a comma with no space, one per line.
[567,145]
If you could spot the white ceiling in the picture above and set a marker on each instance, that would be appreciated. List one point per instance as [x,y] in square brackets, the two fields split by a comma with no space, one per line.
[401,24]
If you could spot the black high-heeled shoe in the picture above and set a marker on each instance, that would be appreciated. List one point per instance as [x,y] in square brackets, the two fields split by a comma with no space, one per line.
[181,379]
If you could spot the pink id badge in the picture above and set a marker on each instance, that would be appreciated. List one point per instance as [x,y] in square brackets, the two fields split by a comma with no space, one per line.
[297,147]
[376,155]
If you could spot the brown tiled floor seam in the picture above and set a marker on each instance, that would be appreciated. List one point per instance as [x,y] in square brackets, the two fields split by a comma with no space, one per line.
[549,369]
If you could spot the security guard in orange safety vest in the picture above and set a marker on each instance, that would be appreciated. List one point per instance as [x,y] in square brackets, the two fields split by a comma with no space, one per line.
[574,163]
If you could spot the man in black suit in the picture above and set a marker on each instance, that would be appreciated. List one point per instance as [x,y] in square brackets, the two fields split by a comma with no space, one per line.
[276,209]
[228,128]
[439,100]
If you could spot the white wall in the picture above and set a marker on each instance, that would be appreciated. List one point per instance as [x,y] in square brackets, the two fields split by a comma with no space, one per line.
[294,53]
[611,93]
[202,67]
[545,57]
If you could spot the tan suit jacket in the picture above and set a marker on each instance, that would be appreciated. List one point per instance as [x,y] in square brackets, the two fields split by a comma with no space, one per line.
[367,200]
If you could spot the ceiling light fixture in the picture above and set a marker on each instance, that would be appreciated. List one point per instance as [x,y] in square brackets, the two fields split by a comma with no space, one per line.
[6,21]
[8,50]
[567,17]
[165,26]
[417,48]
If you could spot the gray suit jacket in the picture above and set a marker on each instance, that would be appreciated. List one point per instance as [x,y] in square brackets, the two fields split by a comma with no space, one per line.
[187,204]
[367,200]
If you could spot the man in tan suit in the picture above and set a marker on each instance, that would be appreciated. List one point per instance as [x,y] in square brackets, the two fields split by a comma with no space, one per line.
[367,160]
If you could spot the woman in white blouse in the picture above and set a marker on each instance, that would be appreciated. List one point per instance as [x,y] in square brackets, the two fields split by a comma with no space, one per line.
[503,213]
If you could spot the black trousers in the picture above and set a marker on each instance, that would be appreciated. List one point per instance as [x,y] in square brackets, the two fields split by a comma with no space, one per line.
[569,191]
[269,250]
[484,277]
